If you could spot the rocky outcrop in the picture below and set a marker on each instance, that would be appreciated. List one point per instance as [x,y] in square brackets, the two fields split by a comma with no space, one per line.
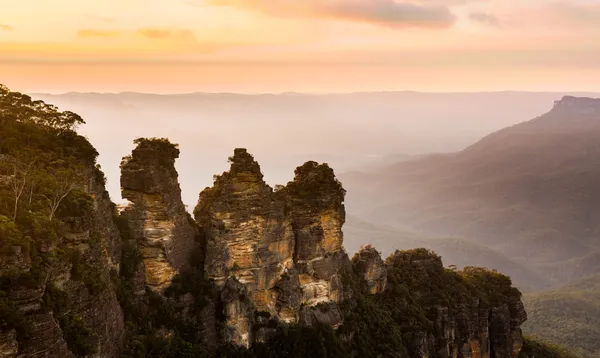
[371,268]
[315,205]
[284,247]
[72,296]
[257,266]
[465,324]
[157,220]
[248,235]
[577,105]
[238,312]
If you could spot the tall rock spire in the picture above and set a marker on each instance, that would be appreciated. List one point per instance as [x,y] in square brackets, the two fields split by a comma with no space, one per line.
[156,217]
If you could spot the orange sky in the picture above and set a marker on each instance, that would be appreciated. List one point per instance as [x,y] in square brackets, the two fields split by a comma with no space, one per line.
[254,46]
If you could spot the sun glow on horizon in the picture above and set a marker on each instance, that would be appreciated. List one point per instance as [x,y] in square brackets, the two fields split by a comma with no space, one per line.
[317,46]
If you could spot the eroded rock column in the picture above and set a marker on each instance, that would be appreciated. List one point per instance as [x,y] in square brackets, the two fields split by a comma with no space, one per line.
[156,218]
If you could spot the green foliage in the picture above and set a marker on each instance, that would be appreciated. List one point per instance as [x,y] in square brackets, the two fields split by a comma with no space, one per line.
[10,318]
[315,185]
[533,348]
[42,174]
[79,338]
[569,316]
[155,326]
[20,107]
[151,150]
[45,167]
[82,271]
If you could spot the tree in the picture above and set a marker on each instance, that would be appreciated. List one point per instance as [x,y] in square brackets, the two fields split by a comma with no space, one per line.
[60,182]
[19,171]
[20,107]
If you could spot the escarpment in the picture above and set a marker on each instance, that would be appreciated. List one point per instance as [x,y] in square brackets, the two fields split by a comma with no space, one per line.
[57,262]
[259,272]
[156,219]
[472,313]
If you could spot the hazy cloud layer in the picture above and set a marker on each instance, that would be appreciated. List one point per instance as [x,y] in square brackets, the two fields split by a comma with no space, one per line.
[485,19]
[580,14]
[154,33]
[387,13]
[4,27]
[166,33]
[98,33]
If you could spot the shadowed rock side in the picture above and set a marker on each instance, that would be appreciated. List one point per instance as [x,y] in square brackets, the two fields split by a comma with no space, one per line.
[76,295]
[371,268]
[156,218]
[464,323]
[285,247]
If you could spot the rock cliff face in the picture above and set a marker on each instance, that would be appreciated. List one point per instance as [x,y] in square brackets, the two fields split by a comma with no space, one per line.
[259,268]
[284,247]
[464,325]
[275,258]
[157,220]
[371,268]
[75,296]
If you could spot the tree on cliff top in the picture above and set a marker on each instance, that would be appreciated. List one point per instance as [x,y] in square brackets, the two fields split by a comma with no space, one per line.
[20,107]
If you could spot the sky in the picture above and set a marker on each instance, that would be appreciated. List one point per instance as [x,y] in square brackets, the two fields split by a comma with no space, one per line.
[314,46]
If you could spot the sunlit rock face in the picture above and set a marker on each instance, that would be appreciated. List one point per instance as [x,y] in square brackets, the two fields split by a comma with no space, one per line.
[248,235]
[284,246]
[315,205]
[157,220]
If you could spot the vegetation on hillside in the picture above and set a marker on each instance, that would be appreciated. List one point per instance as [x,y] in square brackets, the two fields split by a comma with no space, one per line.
[569,316]
[45,168]
[528,191]
[388,324]
[534,348]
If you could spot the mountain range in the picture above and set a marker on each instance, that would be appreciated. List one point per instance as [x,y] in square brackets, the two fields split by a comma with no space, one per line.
[528,191]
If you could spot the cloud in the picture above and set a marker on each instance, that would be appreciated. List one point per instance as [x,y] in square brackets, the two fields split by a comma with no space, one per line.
[578,14]
[485,19]
[4,27]
[387,13]
[152,33]
[98,33]
[166,33]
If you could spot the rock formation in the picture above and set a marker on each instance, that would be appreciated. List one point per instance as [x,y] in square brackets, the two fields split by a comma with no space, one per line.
[371,268]
[485,325]
[157,220]
[284,247]
[257,267]
[74,295]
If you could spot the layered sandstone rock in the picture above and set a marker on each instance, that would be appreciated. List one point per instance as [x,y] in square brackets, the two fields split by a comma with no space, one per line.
[315,205]
[284,247]
[248,235]
[157,220]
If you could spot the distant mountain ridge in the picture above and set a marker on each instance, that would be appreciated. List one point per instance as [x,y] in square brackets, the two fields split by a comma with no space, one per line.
[351,129]
[528,191]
